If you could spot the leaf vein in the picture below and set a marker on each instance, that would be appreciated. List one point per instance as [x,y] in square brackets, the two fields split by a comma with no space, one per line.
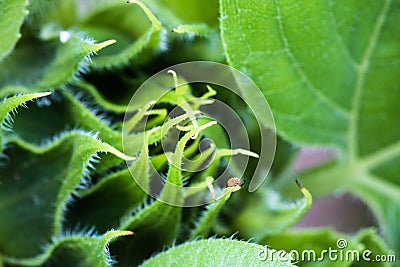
[360,80]
[323,98]
[383,155]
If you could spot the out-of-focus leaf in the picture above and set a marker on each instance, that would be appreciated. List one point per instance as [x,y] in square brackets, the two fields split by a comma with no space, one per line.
[12,15]
[215,252]
[173,13]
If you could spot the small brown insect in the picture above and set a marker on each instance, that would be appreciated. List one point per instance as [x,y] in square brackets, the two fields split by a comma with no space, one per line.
[234,181]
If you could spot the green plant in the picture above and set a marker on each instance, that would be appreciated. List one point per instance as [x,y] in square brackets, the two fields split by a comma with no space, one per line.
[72,144]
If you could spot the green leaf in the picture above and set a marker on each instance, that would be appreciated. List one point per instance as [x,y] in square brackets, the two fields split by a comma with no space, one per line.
[56,169]
[12,15]
[74,250]
[38,9]
[207,219]
[47,65]
[329,70]
[214,252]
[63,112]
[8,106]
[266,213]
[372,241]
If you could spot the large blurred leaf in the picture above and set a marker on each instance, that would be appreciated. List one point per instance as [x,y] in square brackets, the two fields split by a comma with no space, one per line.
[36,185]
[174,13]
[330,71]
[11,18]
